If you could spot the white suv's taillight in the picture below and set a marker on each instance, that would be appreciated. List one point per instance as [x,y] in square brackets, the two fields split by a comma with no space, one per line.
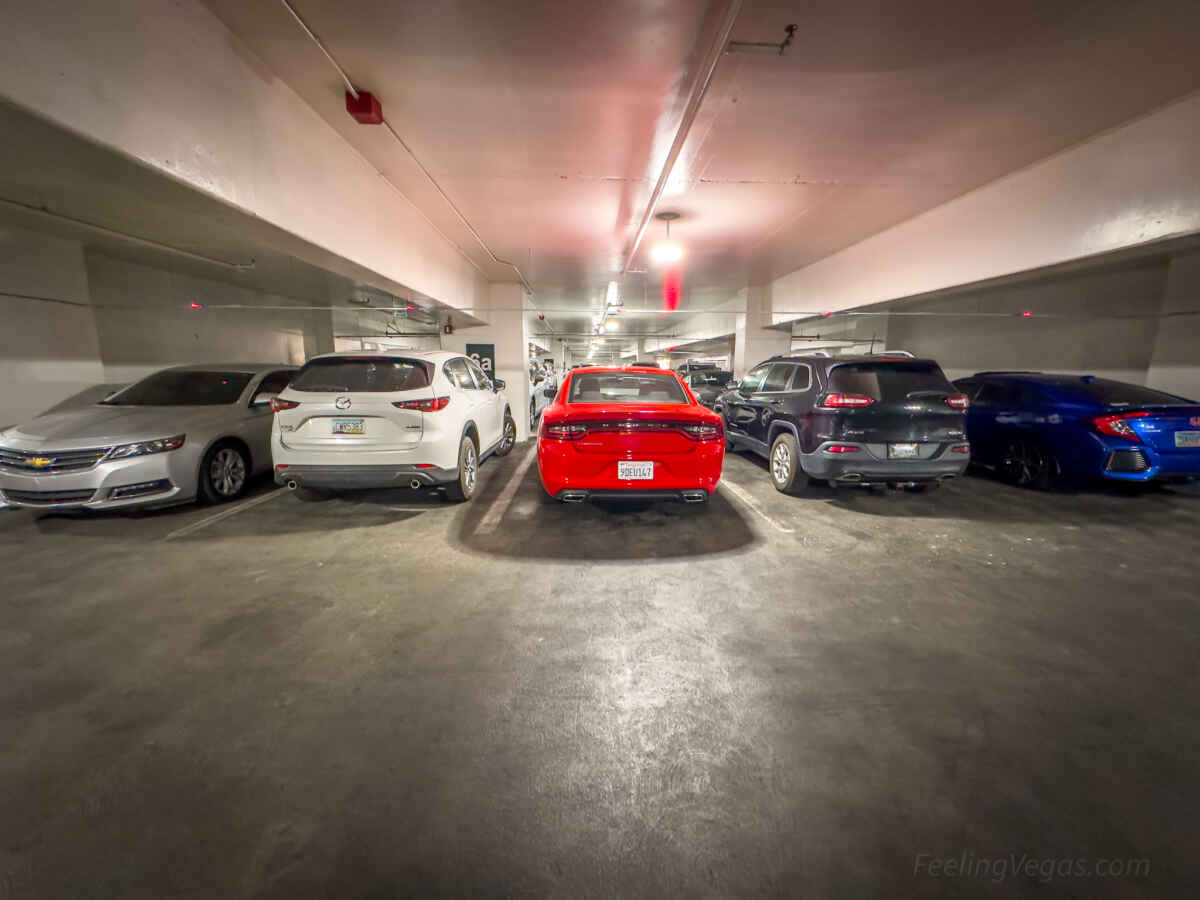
[433,404]
[279,405]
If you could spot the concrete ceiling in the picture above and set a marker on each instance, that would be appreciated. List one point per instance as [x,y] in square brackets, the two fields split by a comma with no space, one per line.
[545,121]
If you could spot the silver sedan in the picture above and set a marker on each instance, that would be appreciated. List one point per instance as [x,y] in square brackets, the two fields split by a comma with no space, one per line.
[185,433]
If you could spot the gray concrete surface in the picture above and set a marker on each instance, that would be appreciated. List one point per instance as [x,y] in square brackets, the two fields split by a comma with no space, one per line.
[376,696]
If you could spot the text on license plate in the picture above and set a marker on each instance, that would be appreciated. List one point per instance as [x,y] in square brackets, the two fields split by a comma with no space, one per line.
[629,469]
[902,451]
[1187,439]
[348,426]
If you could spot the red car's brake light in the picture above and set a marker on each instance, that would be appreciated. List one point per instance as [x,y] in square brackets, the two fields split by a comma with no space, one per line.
[278,405]
[705,431]
[958,401]
[433,404]
[843,401]
[563,431]
[1118,426]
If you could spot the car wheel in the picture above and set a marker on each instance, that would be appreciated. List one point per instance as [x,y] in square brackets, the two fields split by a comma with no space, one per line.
[1027,464]
[224,473]
[508,437]
[729,441]
[463,488]
[532,416]
[784,462]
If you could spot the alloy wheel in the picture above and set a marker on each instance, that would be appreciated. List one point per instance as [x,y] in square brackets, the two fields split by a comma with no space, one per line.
[510,435]
[469,467]
[227,472]
[781,463]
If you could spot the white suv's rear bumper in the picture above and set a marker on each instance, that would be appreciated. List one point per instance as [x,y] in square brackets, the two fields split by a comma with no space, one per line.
[429,463]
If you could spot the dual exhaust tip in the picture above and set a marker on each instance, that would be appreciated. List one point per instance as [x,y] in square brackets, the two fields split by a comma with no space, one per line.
[292,484]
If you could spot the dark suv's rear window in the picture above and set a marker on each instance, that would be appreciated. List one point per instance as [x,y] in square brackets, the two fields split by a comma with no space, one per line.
[889,382]
[362,373]
[625,387]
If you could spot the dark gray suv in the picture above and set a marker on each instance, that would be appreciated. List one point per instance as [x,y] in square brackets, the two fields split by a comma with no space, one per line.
[882,419]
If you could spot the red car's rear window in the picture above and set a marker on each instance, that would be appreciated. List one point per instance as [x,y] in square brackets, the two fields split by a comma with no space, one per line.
[625,387]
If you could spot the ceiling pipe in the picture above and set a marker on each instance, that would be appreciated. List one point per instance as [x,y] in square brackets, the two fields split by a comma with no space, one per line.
[695,98]
[413,156]
[125,236]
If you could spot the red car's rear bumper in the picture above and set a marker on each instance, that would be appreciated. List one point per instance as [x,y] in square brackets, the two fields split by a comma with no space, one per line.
[564,467]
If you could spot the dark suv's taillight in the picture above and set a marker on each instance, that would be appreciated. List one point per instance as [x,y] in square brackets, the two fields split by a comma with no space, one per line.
[845,401]
[958,401]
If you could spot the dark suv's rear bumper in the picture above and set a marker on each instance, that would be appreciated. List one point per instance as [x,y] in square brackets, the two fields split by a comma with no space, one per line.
[864,466]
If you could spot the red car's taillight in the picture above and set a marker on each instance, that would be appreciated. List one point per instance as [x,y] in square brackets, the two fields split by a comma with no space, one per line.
[844,401]
[705,431]
[433,404]
[1118,425]
[959,401]
[563,431]
[278,405]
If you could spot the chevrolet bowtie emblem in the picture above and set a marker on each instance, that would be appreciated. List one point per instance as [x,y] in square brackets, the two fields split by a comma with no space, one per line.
[40,462]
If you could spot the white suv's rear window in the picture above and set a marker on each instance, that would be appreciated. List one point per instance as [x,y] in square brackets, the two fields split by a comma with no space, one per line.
[381,374]
[625,387]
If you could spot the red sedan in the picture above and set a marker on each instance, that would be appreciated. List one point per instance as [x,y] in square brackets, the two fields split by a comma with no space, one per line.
[629,433]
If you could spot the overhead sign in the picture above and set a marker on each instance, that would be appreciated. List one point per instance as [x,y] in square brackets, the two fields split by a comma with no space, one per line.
[485,355]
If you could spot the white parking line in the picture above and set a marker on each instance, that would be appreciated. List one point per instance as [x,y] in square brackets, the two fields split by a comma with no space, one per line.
[745,497]
[500,506]
[224,514]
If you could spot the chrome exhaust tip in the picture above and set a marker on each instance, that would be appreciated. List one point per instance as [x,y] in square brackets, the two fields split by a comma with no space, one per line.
[414,484]
[694,496]
[292,484]
[850,476]
[572,496]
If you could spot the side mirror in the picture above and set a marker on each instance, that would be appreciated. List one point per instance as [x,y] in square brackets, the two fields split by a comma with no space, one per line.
[497,385]
[263,399]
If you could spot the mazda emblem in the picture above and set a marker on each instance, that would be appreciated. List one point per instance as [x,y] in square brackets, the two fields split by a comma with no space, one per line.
[342,402]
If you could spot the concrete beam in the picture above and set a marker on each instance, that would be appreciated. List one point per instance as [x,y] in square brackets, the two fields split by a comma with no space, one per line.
[168,85]
[1130,186]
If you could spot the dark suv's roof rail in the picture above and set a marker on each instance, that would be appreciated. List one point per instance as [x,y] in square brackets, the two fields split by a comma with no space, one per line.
[892,353]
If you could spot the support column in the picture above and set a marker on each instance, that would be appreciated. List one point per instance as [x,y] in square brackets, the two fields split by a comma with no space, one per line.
[506,331]
[753,340]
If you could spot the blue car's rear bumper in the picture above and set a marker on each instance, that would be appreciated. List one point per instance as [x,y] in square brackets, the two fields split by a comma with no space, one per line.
[1123,461]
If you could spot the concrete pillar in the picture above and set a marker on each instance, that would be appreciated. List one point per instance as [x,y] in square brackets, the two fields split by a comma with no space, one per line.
[506,331]
[753,340]
[1175,362]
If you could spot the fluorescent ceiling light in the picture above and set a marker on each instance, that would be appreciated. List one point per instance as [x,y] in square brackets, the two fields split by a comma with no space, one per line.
[666,253]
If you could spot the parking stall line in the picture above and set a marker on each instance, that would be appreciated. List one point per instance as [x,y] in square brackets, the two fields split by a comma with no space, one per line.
[224,514]
[743,495]
[500,505]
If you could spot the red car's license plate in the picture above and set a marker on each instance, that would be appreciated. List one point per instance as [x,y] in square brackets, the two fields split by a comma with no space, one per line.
[635,471]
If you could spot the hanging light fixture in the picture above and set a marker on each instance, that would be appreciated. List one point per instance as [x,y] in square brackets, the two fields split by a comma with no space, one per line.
[667,252]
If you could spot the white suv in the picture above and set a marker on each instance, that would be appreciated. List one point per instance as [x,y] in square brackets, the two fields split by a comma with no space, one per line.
[363,419]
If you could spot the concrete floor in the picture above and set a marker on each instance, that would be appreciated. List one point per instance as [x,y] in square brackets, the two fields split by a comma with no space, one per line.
[386,695]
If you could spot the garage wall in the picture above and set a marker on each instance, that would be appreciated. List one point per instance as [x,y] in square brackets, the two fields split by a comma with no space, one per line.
[49,348]
[1082,341]
[1175,365]
[144,322]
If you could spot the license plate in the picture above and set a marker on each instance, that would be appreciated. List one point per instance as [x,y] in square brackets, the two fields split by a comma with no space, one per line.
[635,471]
[1187,439]
[348,426]
[902,451]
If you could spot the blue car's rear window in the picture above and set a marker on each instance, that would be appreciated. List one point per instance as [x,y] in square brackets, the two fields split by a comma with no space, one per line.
[1118,393]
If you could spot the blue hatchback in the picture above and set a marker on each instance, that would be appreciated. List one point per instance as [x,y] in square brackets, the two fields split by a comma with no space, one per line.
[1033,428]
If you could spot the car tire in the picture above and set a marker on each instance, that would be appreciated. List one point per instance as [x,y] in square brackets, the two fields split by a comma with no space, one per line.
[532,416]
[224,474]
[784,464]
[1029,464]
[730,442]
[462,488]
[508,435]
